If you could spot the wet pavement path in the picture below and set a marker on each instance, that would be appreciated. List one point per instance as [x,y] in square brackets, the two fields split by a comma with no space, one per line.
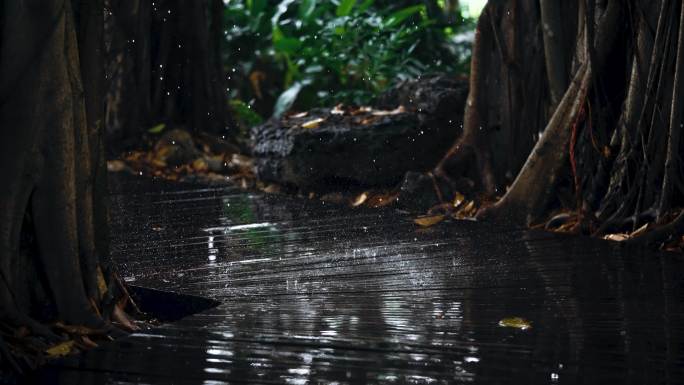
[314,293]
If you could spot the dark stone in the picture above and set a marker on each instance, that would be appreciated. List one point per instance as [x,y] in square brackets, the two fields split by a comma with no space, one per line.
[363,147]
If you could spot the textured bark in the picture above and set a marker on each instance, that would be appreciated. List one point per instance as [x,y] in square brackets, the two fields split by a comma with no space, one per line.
[611,148]
[53,240]
[508,105]
[165,67]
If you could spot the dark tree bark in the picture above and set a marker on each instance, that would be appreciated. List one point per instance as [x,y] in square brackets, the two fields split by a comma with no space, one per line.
[610,137]
[54,260]
[165,67]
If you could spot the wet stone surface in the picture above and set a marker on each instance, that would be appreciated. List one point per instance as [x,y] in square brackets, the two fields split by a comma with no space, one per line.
[312,293]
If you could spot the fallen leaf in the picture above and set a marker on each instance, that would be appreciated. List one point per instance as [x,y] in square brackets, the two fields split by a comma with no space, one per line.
[337,110]
[311,124]
[619,237]
[429,220]
[360,200]
[80,330]
[395,111]
[515,322]
[271,189]
[640,231]
[115,165]
[200,165]
[458,199]
[382,200]
[157,129]
[299,115]
[61,349]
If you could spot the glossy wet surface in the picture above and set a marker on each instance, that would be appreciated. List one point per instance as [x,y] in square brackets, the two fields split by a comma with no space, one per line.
[313,293]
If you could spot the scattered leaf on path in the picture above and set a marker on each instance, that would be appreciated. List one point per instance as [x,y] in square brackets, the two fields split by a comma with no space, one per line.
[337,110]
[458,199]
[115,165]
[61,349]
[640,231]
[515,322]
[360,200]
[619,237]
[311,124]
[395,111]
[429,221]
[157,129]
[299,115]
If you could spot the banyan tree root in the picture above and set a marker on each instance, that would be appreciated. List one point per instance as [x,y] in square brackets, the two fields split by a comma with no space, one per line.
[56,279]
[611,148]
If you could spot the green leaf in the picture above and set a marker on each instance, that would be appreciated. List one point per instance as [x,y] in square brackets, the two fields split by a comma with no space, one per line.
[286,100]
[306,9]
[256,6]
[157,129]
[399,16]
[288,45]
[365,5]
[345,7]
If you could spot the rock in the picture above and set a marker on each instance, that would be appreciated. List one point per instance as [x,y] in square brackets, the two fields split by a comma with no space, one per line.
[174,148]
[362,146]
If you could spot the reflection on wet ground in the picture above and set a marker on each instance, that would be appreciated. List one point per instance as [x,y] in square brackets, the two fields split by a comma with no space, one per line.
[312,293]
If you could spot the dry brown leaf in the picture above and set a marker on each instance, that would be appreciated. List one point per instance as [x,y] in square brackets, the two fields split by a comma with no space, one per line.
[618,237]
[359,200]
[429,220]
[458,199]
[80,330]
[61,349]
[515,322]
[382,200]
[395,111]
[469,209]
[299,115]
[338,110]
[271,189]
[242,162]
[311,124]
[640,231]
[115,165]
[200,165]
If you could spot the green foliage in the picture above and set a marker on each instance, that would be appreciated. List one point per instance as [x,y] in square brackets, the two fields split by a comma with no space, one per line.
[245,117]
[315,52]
[244,114]
[157,129]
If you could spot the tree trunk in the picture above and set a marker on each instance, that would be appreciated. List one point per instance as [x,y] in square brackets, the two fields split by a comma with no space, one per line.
[613,138]
[54,261]
[165,67]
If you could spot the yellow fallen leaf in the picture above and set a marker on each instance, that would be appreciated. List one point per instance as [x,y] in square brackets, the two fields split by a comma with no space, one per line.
[338,110]
[61,349]
[640,231]
[299,115]
[515,322]
[311,124]
[619,237]
[429,221]
[458,199]
[360,199]
[200,165]
[395,111]
[115,165]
